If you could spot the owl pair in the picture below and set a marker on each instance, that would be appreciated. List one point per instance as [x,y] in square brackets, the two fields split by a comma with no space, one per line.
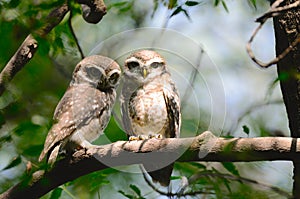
[149,101]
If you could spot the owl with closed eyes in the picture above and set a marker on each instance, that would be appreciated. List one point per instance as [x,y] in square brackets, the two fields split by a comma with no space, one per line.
[150,104]
[84,111]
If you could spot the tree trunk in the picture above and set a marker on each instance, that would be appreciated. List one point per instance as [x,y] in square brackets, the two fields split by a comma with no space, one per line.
[286,28]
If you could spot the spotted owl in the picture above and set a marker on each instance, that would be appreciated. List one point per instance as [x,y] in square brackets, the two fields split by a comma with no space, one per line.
[84,111]
[150,104]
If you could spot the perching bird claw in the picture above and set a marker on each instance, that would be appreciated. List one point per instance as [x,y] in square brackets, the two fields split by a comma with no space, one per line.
[157,136]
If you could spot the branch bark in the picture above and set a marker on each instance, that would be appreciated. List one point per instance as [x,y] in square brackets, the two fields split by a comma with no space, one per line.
[286,28]
[205,147]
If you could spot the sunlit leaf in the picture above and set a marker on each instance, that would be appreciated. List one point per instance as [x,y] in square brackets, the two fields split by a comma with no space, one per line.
[14,162]
[172,4]
[175,177]
[253,2]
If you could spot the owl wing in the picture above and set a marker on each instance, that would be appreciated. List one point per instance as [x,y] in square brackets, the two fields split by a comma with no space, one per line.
[173,111]
[125,98]
[77,108]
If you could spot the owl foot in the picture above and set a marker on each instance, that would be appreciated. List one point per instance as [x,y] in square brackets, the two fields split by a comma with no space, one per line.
[139,137]
[157,136]
[145,137]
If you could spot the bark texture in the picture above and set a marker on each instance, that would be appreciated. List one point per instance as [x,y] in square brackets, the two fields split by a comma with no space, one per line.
[287,30]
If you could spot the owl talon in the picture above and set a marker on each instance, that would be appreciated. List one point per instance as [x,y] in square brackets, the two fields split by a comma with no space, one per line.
[157,136]
[139,137]
[132,138]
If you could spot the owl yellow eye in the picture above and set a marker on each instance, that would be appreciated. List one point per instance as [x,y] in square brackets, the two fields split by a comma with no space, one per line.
[156,64]
[132,65]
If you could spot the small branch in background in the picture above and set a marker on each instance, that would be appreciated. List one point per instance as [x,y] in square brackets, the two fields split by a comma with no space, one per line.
[192,78]
[74,35]
[277,190]
[253,108]
[274,11]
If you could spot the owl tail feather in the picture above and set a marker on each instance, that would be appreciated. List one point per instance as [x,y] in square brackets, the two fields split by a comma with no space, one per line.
[161,175]
[51,155]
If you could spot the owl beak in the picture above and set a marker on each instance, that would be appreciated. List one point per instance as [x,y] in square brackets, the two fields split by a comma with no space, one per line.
[145,73]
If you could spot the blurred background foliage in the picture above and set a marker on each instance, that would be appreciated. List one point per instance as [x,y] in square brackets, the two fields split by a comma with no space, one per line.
[248,103]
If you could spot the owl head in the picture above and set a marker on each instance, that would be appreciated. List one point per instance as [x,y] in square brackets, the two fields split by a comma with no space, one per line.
[142,66]
[97,71]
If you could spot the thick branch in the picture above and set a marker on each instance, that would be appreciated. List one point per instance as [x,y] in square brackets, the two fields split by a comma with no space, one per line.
[205,147]
[92,10]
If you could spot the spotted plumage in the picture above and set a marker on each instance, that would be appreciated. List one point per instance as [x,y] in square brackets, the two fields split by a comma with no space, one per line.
[150,104]
[84,111]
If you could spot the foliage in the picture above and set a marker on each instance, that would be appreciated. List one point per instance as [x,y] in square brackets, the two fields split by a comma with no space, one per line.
[28,104]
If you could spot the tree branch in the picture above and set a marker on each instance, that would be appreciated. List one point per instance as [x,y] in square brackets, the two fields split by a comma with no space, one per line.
[29,47]
[93,11]
[205,147]
[275,10]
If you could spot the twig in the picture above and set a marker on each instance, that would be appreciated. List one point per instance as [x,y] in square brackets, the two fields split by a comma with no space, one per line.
[197,176]
[274,11]
[74,35]
[252,109]
[170,194]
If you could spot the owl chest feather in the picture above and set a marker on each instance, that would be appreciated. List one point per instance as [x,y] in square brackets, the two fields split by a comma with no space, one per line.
[148,112]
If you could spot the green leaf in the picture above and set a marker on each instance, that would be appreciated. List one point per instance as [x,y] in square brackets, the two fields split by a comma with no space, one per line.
[246,129]
[14,162]
[25,126]
[56,193]
[283,76]
[225,6]
[135,189]
[175,178]
[13,3]
[186,14]
[6,138]
[33,150]
[198,165]
[176,11]
[191,3]
[253,2]
[229,166]
[216,2]
[126,195]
